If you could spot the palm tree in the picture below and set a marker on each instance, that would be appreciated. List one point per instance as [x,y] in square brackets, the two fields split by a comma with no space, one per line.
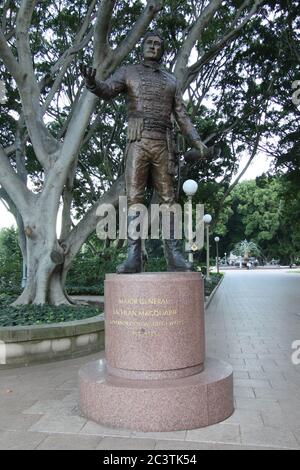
[246,249]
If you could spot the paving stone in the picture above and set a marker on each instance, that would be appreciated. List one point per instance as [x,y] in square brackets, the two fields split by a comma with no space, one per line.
[247,369]
[69,442]
[297,434]
[59,424]
[240,375]
[263,375]
[68,385]
[283,395]
[118,443]
[219,433]
[241,417]
[282,419]
[252,383]
[175,435]
[53,407]
[246,392]
[99,430]
[268,436]
[183,445]
[257,404]
[243,356]
[20,440]
[10,421]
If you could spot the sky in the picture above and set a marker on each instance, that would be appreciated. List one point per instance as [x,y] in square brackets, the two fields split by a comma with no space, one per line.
[6,219]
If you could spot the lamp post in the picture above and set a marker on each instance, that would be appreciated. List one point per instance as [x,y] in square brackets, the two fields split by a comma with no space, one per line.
[24,276]
[190,188]
[217,239]
[225,256]
[207,218]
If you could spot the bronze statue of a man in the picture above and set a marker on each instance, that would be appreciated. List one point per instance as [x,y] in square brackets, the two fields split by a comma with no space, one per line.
[153,97]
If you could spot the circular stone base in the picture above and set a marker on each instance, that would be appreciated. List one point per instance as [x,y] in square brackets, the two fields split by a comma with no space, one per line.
[157,405]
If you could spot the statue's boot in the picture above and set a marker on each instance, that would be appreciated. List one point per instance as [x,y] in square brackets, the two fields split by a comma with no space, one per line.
[133,263]
[173,253]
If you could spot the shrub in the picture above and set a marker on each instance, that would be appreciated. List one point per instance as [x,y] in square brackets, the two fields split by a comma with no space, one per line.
[88,271]
[43,314]
[209,286]
[10,259]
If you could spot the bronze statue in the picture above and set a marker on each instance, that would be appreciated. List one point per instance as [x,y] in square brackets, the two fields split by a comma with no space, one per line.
[153,97]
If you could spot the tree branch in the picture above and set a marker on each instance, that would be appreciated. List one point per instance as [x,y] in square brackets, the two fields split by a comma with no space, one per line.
[9,59]
[43,142]
[13,185]
[63,63]
[89,222]
[11,149]
[193,36]
[252,155]
[72,142]
[192,72]
[137,31]
[102,27]
[67,202]
[23,47]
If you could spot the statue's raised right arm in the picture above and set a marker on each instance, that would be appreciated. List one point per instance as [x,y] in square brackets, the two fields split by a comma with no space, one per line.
[107,89]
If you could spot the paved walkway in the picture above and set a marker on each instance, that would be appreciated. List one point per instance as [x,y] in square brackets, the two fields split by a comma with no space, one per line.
[251,322]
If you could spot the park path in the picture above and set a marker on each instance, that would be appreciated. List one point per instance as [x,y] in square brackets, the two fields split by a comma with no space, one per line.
[251,323]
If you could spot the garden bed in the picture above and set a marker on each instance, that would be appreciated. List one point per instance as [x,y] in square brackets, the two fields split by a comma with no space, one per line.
[24,345]
[33,334]
[212,286]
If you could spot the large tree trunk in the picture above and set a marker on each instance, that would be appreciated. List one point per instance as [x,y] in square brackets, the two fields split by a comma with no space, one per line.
[44,278]
[45,259]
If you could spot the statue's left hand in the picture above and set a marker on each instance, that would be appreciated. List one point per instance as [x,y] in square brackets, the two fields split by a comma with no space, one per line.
[202,152]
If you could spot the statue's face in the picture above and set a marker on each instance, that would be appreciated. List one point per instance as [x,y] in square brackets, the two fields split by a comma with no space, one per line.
[153,48]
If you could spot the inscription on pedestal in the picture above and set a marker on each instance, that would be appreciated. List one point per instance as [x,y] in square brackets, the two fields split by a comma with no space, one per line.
[134,315]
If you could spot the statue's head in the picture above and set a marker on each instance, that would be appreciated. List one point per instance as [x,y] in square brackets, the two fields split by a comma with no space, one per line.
[153,46]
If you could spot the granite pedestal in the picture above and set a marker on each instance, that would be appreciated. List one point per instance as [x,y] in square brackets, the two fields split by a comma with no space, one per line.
[155,376]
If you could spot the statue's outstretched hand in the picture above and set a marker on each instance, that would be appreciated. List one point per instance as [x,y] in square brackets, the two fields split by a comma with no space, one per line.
[89,74]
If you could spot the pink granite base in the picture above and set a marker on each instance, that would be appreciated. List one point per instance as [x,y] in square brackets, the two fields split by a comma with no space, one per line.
[155,376]
[174,404]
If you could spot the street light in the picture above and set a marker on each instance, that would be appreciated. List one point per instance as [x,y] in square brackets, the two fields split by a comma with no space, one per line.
[190,188]
[207,218]
[24,277]
[217,239]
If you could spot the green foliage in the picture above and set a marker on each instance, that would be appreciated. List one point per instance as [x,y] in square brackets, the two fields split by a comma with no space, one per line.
[6,298]
[40,315]
[97,289]
[209,286]
[10,259]
[154,265]
[90,267]
[266,212]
